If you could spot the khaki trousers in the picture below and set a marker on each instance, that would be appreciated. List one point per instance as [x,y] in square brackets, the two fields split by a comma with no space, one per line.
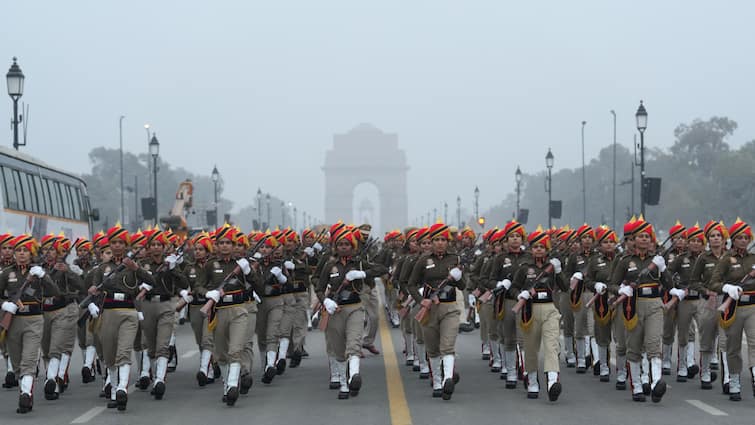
[230,333]
[707,324]
[508,331]
[543,333]
[247,355]
[59,335]
[22,341]
[744,322]
[441,329]
[287,318]
[157,327]
[370,304]
[300,320]
[648,333]
[198,322]
[687,315]
[269,318]
[345,332]
[117,332]
[488,325]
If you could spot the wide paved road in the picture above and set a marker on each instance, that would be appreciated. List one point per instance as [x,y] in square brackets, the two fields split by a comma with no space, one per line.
[301,397]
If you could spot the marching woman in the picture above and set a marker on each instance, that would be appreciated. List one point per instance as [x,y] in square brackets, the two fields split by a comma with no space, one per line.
[638,278]
[716,235]
[340,285]
[735,277]
[438,275]
[597,274]
[536,280]
[424,247]
[28,285]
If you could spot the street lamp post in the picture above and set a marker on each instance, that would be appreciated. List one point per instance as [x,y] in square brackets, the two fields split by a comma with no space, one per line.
[123,195]
[548,188]
[215,178]
[642,124]
[295,218]
[259,208]
[15,80]
[283,214]
[267,200]
[518,178]
[445,212]
[613,214]
[584,177]
[476,202]
[154,150]
[458,211]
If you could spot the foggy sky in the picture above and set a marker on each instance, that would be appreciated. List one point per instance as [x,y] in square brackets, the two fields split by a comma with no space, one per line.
[472,88]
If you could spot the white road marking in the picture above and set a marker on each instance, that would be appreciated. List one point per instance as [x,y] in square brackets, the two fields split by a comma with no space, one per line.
[190,353]
[88,415]
[707,408]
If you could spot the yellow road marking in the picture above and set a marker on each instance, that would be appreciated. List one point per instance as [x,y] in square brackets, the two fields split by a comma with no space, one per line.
[399,407]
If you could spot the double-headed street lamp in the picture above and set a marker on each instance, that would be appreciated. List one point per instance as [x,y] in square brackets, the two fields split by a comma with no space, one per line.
[642,124]
[15,80]
[154,150]
[215,177]
[548,188]
[518,178]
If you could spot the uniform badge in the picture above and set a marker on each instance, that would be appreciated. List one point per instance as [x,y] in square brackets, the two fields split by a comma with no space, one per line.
[507,262]
[107,270]
[671,257]
[216,265]
[334,272]
[11,275]
[733,260]
[632,266]
[531,273]
[146,267]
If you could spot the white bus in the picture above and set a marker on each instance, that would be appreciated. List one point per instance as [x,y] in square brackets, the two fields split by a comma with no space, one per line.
[38,199]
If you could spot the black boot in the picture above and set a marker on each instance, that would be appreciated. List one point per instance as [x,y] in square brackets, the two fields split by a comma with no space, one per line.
[24,404]
[245,383]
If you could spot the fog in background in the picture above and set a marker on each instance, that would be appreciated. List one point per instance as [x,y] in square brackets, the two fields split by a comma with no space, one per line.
[472,88]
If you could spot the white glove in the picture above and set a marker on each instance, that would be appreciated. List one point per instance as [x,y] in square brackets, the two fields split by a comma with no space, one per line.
[455,273]
[37,271]
[679,293]
[734,291]
[257,256]
[660,263]
[213,295]
[626,290]
[140,316]
[600,287]
[244,265]
[172,259]
[145,286]
[10,307]
[471,300]
[524,295]
[94,311]
[477,253]
[185,295]
[179,259]
[556,265]
[578,276]
[505,283]
[421,291]
[317,246]
[76,269]
[278,273]
[355,274]
[289,265]
[330,305]
[309,251]
[753,266]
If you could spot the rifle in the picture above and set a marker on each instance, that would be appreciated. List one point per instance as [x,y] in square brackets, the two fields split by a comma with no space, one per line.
[520,304]
[424,310]
[84,316]
[210,304]
[7,317]
[180,253]
[319,307]
[650,268]
[727,302]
